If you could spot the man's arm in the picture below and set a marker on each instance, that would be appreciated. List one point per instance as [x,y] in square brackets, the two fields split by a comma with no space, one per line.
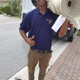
[30,41]
[63,28]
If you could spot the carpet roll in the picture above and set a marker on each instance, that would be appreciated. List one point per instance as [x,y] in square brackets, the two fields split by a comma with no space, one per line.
[68,8]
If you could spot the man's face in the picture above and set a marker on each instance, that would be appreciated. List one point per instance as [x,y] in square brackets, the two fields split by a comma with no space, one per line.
[35,4]
[41,2]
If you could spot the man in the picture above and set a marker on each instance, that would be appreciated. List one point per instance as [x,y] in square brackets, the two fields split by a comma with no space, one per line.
[38,23]
[34,3]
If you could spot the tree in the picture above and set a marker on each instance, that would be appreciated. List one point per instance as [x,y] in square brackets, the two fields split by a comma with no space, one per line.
[12,12]
[15,6]
[19,2]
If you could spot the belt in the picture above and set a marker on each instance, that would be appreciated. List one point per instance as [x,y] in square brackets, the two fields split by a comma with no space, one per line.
[41,51]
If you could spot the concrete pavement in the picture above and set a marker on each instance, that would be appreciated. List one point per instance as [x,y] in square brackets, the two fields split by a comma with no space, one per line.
[65,61]
[7,19]
[57,48]
[67,66]
[12,50]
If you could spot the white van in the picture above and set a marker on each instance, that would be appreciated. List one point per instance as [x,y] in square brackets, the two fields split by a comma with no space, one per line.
[26,7]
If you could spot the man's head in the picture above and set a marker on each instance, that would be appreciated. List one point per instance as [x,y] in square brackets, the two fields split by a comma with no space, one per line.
[34,3]
[41,2]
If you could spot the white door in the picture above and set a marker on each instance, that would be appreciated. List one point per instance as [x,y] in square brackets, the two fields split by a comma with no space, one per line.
[26,6]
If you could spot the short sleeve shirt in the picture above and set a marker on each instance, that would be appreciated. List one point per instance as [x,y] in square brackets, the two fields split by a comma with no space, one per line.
[39,25]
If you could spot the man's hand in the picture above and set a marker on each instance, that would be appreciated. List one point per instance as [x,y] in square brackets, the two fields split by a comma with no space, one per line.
[30,41]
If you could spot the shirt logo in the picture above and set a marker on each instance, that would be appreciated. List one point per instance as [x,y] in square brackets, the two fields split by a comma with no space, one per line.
[49,21]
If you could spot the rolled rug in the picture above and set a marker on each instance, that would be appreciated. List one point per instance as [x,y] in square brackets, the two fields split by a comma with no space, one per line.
[68,8]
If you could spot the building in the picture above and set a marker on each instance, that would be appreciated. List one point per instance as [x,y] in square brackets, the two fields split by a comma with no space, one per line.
[5,2]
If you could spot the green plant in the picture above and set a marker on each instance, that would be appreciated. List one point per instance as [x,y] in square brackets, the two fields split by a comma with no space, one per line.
[8,10]
[8,2]
[15,7]
[78,34]
[1,9]
[1,12]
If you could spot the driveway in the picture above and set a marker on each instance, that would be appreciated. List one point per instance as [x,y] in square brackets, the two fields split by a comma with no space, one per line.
[7,19]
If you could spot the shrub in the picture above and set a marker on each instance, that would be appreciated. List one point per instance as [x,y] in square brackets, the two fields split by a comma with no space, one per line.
[1,12]
[0,8]
[3,9]
[78,34]
[8,10]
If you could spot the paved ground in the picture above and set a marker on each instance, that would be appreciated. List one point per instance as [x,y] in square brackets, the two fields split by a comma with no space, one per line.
[57,48]
[67,66]
[5,19]
[13,49]
[9,26]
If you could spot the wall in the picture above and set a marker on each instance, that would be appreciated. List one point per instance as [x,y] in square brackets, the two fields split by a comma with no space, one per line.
[3,3]
[26,6]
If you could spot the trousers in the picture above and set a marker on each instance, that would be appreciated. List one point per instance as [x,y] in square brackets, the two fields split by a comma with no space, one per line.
[35,57]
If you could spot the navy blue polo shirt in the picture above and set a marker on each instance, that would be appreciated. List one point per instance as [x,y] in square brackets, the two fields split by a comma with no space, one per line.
[39,25]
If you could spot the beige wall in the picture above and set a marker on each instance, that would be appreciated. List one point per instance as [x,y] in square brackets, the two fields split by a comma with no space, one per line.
[3,2]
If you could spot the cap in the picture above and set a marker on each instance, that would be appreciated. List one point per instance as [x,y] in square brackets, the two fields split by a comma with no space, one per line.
[33,1]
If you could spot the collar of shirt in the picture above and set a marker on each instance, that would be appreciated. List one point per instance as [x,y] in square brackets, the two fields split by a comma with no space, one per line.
[47,11]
